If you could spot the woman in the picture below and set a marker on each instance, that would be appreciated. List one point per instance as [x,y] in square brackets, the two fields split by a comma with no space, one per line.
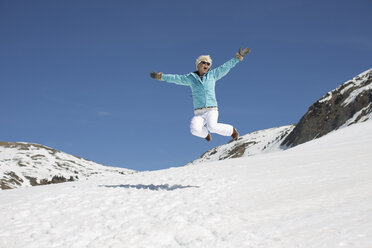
[202,83]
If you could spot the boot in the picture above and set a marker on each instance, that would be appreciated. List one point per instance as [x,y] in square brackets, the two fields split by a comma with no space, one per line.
[235,134]
[209,137]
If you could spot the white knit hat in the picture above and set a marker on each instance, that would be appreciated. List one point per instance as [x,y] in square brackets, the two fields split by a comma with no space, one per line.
[201,58]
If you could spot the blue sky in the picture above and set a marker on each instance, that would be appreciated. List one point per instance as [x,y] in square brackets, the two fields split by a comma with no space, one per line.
[74,75]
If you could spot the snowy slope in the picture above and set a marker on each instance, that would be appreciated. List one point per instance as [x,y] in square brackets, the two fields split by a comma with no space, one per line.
[25,164]
[314,195]
[255,143]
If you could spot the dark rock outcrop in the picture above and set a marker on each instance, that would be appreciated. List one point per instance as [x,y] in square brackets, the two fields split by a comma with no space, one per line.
[348,104]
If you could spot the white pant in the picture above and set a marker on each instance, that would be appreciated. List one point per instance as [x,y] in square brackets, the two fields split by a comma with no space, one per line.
[207,119]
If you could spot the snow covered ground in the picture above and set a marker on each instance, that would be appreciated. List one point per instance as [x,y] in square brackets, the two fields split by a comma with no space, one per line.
[314,195]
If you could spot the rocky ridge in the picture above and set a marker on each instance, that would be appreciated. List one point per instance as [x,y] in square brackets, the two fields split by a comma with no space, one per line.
[348,104]
[263,141]
[26,164]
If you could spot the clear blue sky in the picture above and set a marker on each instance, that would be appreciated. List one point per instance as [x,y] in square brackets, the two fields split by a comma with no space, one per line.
[74,75]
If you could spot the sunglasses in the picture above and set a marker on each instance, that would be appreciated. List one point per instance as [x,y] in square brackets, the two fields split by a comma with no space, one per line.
[203,63]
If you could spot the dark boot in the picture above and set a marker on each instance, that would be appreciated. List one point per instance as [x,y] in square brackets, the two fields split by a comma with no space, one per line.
[235,134]
[209,137]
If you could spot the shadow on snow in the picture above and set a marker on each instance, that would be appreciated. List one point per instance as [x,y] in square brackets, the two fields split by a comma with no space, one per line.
[150,187]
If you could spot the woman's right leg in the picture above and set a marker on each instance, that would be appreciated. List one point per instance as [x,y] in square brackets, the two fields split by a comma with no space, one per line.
[198,126]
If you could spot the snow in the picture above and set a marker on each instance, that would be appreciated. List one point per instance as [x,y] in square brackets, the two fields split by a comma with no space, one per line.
[348,87]
[358,81]
[356,93]
[326,97]
[317,194]
[359,116]
[355,82]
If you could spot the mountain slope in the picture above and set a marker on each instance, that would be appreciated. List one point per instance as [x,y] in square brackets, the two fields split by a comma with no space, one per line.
[258,142]
[25,164]
[315,195]
[348,104]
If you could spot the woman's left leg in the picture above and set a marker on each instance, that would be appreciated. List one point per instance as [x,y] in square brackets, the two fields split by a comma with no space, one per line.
[215,127]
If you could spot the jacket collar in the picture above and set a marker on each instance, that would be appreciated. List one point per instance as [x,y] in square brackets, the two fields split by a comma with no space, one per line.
[196,74]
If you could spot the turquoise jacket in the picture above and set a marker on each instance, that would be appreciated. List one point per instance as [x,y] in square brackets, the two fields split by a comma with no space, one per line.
[203,90]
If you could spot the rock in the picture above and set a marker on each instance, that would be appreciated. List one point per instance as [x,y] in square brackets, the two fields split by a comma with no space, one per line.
[348,104]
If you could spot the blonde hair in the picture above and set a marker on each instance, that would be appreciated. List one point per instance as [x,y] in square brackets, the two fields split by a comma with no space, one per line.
[201,58]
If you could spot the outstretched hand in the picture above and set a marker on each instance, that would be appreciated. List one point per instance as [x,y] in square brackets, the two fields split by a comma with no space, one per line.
[244,51]
[156,75]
